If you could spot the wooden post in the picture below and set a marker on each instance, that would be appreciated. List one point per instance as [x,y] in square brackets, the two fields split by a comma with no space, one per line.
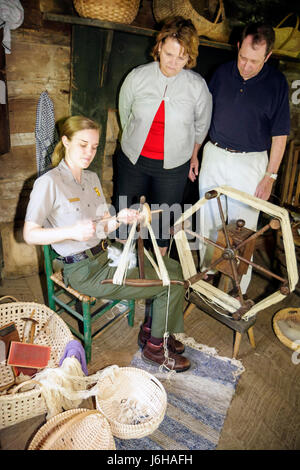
[4,115]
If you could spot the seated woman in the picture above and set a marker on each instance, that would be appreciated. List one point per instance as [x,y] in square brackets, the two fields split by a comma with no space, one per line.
[62,209]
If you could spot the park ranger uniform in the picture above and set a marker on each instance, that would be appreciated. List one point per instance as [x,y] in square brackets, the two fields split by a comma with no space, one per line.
[58,200]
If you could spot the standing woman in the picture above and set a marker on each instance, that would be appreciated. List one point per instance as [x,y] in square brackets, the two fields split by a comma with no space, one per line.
[63,205]
[165,111]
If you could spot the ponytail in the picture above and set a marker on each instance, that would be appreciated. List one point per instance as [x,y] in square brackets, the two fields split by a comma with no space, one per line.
[58,153]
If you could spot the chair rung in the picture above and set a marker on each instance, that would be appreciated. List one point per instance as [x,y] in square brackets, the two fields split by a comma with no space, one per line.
[57,278]
[103,309]
[110,323]
[68,308]
[75,332]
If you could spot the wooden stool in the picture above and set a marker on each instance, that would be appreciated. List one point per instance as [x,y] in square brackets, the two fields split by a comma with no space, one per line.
[240,327]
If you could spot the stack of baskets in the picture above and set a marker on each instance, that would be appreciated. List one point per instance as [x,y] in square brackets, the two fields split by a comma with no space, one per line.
[51,331]
[79,429]
[119,11]
[131,404]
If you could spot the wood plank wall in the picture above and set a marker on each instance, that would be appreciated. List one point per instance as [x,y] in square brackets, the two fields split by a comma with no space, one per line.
[40,61]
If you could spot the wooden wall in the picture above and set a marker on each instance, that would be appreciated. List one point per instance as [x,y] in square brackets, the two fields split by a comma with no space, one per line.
[39,61]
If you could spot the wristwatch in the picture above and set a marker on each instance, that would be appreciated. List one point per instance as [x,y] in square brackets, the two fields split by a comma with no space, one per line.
[272,175]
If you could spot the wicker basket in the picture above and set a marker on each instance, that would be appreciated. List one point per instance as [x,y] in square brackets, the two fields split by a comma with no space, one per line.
[118,11]
[287,39]
[51,331]
[212,30]
[79,429]
[134,402]
[286,324]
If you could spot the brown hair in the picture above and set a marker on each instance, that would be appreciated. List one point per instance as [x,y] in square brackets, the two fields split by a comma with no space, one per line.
[185,33]
[261,33]
[69,127]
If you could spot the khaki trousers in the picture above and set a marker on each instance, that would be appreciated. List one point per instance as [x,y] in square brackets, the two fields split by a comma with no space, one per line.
[86,276]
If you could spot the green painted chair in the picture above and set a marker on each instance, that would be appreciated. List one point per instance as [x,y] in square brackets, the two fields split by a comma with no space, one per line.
[79,306]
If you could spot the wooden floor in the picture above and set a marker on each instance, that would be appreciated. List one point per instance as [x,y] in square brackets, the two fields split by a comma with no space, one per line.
[265,411]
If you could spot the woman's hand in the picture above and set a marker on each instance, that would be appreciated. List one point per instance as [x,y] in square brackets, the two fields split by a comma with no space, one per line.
[194,163]
[128,216]
[194,169]
[83,230]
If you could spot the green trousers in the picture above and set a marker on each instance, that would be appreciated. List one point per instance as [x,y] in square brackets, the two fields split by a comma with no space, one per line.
[86,276]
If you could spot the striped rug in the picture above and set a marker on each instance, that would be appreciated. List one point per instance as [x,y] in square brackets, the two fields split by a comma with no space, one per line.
[198,401]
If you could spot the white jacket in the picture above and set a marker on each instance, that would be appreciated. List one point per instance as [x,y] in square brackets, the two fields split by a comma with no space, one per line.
[188,107]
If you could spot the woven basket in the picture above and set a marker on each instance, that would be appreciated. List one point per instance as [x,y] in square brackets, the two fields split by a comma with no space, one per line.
[212,30]
[51,331]
[118,11]
[78,429]
[286,324]
[134,402]
[287,40]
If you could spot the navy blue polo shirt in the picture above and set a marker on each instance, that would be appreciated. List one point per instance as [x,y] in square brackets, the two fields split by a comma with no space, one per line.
[248,113]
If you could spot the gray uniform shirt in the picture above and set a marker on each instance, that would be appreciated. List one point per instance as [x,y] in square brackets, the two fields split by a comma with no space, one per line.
[188,108]
[58,200]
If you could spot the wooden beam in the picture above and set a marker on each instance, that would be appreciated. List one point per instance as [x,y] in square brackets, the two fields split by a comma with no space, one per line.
[126,28]
[98,24]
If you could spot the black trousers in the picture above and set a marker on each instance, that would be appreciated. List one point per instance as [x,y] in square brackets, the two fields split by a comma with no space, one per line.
[162,188]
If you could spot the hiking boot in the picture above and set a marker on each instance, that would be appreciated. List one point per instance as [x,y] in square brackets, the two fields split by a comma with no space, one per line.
[155,355]
[173,344]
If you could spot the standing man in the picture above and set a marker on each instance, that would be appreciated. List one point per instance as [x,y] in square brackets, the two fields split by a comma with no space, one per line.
[248,133]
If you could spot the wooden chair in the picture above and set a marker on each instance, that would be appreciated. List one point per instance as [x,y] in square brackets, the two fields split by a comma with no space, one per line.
[77,305]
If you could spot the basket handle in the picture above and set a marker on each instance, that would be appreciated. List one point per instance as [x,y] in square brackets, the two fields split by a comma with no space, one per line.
[17,388]
[221,12]
[292,30]
[72,420]
[8,297]
[285,18]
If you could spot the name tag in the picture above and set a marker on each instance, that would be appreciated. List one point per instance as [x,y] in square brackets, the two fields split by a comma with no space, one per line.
[74,199]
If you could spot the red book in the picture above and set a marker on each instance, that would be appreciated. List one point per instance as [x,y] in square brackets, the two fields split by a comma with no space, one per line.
[28,355]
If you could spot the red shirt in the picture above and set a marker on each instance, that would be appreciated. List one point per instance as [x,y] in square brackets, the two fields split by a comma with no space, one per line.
[154,144]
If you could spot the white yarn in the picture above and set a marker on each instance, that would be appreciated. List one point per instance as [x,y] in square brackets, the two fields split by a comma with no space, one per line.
[64,387]
[114,255]
[121,270]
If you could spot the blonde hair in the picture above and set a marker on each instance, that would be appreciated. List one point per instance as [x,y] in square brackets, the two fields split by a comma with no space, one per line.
[185,33]
[69,127]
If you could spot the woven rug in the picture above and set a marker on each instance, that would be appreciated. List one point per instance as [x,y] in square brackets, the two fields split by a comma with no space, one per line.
[198,401]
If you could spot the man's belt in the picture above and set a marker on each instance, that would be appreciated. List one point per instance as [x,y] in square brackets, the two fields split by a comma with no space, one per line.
[225,148]
[102,246]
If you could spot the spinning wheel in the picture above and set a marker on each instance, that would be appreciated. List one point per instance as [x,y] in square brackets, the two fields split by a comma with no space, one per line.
[230,256]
